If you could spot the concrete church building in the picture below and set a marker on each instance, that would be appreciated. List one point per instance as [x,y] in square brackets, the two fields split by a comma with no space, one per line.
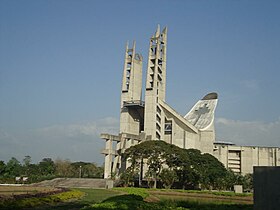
[154,119]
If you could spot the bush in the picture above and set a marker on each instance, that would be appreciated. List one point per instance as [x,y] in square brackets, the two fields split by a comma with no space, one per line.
[135,191]
[124,202]
[37,201]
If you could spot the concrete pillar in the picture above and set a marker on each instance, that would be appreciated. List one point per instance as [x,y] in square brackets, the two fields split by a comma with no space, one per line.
[108,159]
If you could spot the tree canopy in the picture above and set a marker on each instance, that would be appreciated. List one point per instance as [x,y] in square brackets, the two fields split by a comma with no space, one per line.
[46,169]
[169,163]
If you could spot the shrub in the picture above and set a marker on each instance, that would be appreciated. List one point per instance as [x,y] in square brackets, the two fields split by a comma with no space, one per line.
[37,201]
[135,191]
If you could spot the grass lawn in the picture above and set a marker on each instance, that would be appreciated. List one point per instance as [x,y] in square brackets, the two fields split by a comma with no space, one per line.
[97,195]
[152,200]
[141,199]
[91,196]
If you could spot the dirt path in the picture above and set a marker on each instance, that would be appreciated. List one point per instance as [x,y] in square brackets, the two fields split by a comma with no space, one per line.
[198,196]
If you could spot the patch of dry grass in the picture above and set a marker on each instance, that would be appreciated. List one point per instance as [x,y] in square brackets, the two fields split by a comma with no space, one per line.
[25,189]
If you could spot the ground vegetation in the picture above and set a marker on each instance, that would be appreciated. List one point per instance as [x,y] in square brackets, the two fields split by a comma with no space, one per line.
[15,171]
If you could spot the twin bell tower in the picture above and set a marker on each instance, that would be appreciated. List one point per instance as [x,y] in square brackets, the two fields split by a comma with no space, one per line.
[154,119]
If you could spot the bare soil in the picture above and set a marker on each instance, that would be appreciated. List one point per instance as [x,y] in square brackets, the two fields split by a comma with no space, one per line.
[199,197]
[25,191]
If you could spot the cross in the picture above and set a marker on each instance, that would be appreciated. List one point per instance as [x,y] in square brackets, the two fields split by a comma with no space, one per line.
[201,111]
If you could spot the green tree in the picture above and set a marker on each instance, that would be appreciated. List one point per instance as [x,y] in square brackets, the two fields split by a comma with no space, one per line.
[88,170]
[155,154]
[188,168]
[211,171]
[46,167]
[229,180]
[168,177]
[13,168]
[2,168]
[26,160]
[128,176]
[26,165]
[33,173]
[192,168]
[248,182]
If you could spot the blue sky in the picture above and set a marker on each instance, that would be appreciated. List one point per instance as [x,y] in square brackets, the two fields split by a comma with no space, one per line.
[61,67]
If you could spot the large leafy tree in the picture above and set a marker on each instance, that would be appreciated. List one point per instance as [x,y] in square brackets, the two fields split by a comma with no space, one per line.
[168,177]
[154,152]
[13,168]
[188,169]
[46,167]
[211,171]
[191,167]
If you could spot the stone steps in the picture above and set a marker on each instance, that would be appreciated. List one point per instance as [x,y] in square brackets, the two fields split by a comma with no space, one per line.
[73,183]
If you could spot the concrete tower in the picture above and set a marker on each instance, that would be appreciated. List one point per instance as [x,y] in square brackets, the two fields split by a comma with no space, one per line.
[132,113]
[157,120]
[155,86]
[131,118]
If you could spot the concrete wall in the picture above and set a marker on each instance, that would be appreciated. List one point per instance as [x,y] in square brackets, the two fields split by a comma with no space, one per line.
[206,141]
[249,157]
[178,136]
[266,188]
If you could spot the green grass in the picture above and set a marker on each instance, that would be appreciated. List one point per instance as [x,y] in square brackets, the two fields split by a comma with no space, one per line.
[198,205]
[221,193]
[134,191]
[131,201]
[34,202]
[122,199]
[134,199]
[91,196]
[97,195]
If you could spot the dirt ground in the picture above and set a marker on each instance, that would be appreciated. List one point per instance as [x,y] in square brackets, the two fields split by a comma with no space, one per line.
[157,195]
[8,191]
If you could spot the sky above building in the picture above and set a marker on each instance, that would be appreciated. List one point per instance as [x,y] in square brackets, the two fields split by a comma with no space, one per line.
[61,67]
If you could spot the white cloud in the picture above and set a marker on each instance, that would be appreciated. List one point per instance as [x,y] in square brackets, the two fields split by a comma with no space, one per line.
[110,125]
[81,141]
[77,142]
[248,132]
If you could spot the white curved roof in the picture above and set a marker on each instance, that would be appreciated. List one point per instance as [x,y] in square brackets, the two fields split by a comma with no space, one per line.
[202,113]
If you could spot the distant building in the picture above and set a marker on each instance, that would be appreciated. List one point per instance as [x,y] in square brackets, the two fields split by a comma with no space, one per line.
[154,119]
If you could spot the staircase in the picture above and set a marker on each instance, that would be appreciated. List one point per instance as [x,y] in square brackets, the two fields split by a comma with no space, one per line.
[73,183]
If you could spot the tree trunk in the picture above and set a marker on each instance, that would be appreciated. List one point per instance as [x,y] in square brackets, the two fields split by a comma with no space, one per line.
[155,183]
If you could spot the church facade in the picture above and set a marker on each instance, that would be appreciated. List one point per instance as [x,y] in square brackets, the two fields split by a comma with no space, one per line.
[154,119]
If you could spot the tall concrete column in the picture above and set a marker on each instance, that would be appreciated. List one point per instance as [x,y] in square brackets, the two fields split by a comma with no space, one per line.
[155,86]
[131,92]
[108,158]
